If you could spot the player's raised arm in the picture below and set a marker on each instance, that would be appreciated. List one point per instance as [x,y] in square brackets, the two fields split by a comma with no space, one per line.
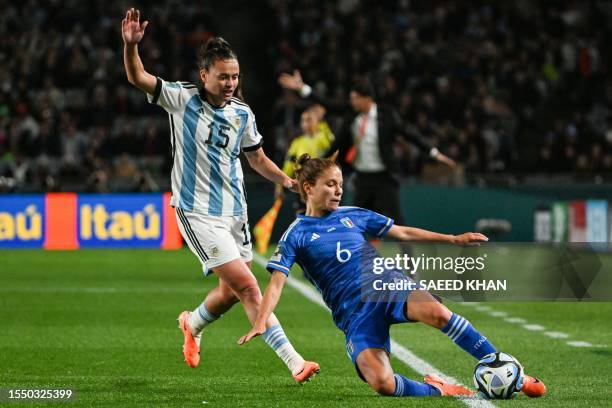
[412,135]
[403,233]
[268,304]
[295,83]
[132,32]
[263,165]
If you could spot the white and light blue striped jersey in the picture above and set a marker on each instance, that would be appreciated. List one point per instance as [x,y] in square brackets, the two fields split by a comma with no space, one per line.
[206,142]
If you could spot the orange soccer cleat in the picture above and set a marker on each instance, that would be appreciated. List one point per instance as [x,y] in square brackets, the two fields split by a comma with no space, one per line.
[532,387]
[191,344]
[446,389]
[308,372]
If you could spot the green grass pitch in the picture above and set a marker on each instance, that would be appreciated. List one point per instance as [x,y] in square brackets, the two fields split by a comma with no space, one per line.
[104,324]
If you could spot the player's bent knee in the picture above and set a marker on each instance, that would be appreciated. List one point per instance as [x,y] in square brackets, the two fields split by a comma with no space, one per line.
[228,294]
[383,384]
[440,315]
[250,293]
[431,313]
[229,297]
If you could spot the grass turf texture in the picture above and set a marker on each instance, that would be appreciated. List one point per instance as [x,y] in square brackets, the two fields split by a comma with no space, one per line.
[103,323]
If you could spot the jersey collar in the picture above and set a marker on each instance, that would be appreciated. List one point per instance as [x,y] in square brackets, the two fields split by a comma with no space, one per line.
[206,101]
[308,217]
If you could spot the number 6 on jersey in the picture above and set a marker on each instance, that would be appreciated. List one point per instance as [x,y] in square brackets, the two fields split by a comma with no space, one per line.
[339,254]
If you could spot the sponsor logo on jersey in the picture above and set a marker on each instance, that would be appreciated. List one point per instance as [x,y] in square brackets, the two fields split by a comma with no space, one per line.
[346,221]
[314,236]
[214,252]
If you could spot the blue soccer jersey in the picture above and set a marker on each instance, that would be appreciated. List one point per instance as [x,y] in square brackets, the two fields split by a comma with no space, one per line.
[329,250]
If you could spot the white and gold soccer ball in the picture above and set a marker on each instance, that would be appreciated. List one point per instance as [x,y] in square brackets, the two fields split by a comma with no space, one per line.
[498,376]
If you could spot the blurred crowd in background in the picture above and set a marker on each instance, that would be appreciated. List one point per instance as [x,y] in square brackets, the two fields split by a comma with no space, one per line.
[501,87]
[516,86]
[69,119]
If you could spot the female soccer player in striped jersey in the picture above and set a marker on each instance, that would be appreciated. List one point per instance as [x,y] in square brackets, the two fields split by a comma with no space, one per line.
[209,129]
[328,244]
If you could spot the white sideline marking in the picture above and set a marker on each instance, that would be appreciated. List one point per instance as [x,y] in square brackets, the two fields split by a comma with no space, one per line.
[533,327]
[423,367]
[582,344]
[402,353]
[557,335]
[517,320]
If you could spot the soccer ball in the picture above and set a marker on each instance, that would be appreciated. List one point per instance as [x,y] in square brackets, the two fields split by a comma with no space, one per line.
[498,376]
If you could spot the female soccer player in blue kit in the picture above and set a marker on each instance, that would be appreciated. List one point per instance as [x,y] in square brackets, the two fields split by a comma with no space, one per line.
[328,244]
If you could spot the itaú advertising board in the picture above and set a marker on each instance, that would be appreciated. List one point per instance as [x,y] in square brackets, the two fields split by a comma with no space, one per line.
[72,221]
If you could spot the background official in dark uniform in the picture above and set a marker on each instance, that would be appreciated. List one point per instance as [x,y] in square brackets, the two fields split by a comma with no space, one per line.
[365,141]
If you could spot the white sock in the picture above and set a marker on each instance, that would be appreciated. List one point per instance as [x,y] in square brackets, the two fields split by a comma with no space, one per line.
[275,338]
[200,318]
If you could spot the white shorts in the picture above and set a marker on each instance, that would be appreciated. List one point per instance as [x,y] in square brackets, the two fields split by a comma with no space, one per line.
[215,240]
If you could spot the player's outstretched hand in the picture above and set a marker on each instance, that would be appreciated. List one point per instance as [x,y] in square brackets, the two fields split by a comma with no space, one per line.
[255,331]
[291,81]
[131,29]
[291,185]
[294,186]
[470,238]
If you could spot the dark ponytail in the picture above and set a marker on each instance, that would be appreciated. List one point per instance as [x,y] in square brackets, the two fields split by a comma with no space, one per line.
[308,170]
[215,49]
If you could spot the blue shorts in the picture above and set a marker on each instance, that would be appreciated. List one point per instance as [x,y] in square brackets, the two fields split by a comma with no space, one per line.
[369,327]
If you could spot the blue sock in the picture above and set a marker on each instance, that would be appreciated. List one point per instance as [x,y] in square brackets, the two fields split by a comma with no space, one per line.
[409,388]
[467,337]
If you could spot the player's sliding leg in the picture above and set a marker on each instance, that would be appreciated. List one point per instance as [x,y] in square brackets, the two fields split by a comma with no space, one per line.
[532,387]
[446,389]
[374,365]
[422,307]
[238,276]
